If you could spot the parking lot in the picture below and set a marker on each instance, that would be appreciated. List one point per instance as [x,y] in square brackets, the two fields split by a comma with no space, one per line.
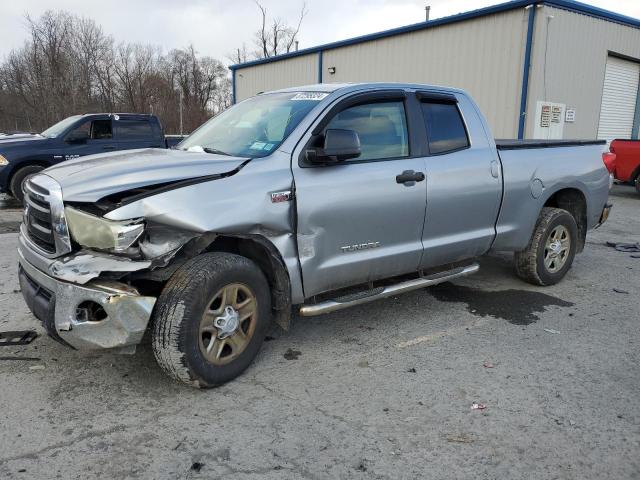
[379,391]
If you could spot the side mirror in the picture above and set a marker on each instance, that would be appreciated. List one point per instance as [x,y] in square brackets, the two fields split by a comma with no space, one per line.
[339,145]
[77,136]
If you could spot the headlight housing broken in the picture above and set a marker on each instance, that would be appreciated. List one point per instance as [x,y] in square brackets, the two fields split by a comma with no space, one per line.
[91,231]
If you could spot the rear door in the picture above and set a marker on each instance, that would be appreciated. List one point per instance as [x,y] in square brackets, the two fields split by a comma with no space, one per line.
[356,221]
[139,132]
[464,181]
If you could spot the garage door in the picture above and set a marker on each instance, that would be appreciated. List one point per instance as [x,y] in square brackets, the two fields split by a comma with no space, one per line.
[619,99]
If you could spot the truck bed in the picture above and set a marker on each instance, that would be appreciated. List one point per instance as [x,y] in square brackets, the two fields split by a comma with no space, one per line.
[508,144]
[531,174]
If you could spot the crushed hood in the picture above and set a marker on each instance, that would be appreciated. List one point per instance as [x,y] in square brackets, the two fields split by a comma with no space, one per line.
[94,177]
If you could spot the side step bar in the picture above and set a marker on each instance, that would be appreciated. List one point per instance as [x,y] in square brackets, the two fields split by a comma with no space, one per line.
[383,292]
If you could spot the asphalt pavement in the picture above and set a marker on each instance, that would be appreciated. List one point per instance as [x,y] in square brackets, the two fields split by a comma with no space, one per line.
[384,390]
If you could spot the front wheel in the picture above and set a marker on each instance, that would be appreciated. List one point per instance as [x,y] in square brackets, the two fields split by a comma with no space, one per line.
[211,319]
[20,178]
[551,250]
[636,183]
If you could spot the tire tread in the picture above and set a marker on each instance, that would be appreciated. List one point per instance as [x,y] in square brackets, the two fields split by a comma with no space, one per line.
[526,260]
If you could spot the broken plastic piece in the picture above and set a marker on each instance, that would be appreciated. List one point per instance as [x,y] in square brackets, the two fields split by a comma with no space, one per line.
[618,290]
[625,247]
[551,330]
[487,365]
[18,337]
[478,406]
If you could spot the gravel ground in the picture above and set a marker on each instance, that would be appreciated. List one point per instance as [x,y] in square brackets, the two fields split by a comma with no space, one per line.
[380,391]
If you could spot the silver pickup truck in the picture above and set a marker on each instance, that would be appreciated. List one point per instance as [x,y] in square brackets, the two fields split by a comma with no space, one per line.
[316,198]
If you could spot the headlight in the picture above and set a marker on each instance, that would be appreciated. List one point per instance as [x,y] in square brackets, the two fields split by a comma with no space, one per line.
[3,161]
[96,232]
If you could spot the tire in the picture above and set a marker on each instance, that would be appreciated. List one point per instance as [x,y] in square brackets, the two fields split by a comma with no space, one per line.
[636,183]
[186,306]
[20,177]
[552,226]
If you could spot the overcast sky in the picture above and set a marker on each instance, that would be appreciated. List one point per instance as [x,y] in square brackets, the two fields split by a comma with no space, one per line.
[217,27]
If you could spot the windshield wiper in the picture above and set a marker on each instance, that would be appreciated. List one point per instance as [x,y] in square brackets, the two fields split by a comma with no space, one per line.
[216,151]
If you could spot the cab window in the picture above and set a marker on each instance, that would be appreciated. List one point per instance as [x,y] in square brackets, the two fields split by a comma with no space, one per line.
[134,129]
[381,126]
[445,128]
[96,129]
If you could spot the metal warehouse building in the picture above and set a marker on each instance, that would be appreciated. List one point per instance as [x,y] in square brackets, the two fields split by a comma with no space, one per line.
[538,69]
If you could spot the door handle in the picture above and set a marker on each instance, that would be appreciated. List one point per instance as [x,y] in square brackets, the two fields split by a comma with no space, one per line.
[409,177]
[109,147]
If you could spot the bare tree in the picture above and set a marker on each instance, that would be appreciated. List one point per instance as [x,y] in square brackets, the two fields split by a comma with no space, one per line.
[240,55]
[276,36]
[69,66]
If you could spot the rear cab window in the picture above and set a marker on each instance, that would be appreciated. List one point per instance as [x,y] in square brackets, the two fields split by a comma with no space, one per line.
[446,132]
[130,129]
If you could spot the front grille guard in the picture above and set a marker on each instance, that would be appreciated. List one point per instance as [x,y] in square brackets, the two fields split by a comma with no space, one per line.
[45,189]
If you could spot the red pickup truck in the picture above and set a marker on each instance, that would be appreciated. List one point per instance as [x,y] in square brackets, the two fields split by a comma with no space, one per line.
[627,161]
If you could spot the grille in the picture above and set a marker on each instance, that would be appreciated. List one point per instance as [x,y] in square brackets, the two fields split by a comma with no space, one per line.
[38,220]
[44,220]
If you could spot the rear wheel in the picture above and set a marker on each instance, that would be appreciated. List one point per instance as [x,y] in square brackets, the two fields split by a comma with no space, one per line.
[20,178]
[551,250]
[211,319]
[636,183]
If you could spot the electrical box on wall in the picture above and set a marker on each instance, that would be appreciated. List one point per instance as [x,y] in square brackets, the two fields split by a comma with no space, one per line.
[549,121]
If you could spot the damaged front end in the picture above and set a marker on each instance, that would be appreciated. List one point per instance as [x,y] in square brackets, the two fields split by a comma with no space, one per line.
[93,266]
[101,294]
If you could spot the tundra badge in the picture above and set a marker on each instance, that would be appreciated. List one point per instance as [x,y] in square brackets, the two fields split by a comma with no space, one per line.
[359,246]
[277,197]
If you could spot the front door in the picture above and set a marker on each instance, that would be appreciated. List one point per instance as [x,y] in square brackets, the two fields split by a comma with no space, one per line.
[99,140]
[361,220]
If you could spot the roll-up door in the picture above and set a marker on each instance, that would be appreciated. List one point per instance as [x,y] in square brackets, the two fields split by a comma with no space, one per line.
[619,99]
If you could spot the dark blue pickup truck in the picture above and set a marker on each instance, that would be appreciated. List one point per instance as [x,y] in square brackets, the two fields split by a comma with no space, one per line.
[21,156]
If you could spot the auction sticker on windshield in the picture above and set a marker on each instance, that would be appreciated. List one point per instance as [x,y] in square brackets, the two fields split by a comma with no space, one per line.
[315,96]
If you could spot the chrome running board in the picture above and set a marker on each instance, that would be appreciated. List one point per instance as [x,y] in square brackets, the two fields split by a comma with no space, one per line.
[382,292]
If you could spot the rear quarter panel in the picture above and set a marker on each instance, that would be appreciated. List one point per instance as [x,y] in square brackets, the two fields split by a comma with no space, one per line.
[533,175]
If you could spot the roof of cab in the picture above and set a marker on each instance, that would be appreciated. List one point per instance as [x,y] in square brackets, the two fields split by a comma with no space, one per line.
[347,87]
[126,115]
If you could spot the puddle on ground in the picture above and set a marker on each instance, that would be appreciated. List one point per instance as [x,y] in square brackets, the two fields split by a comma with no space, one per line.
[519,307]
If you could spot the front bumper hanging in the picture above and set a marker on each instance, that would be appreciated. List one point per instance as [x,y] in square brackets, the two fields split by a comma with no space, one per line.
[122,313]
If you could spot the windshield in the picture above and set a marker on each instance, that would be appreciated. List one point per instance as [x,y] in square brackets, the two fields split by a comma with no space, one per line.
[255,127]
[61,126]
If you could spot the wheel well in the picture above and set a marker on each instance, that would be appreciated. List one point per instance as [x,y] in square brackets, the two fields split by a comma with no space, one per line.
[266,256]
[573,201]
[26,163]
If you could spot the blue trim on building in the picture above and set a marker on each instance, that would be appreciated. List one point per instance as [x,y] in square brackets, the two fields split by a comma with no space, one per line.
[635,131]
[503,7]
[233,87]
[525,72]
[320,66]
